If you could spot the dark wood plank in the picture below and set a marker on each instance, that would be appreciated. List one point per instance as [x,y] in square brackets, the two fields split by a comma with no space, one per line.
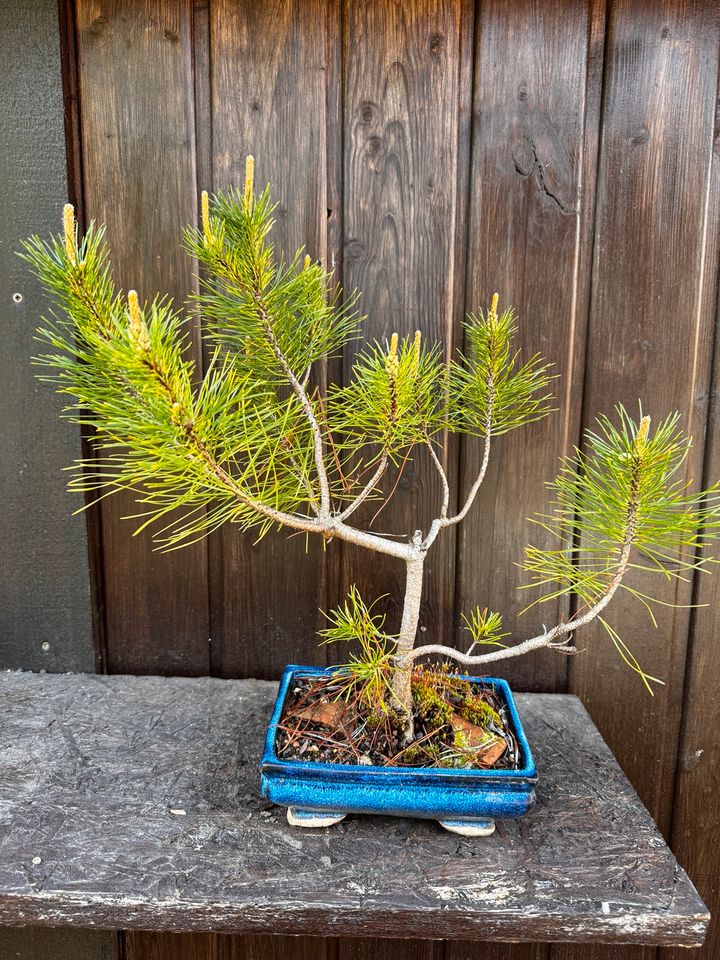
[268,99]
[651,324]
[75,195]
[605,952]
[138,159]
[372,949]
[641,138]
[696,807]
[45,616]
[170,946]
[498,951]
[335,165]
[127,755]
[275,948]
[403,208]
[532,186]
[45,943]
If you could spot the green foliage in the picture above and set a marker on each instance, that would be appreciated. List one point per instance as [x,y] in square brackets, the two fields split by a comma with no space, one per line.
[623,504]
[395,398]
[269,315]
[491,392]
[485,627]
[198,456]
[367,676]
[249,441]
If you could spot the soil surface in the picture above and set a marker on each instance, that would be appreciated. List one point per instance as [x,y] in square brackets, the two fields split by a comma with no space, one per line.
[458,723]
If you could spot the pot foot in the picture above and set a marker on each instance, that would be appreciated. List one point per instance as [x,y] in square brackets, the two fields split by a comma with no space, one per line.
[469,828]
[298,817]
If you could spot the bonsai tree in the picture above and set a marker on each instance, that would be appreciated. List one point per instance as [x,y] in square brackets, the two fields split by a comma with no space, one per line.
[254,441]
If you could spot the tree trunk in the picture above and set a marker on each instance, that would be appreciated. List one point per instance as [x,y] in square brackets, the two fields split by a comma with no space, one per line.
[406,638]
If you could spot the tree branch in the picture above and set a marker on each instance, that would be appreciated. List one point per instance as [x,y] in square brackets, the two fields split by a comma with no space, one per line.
[297,386]
[366,491]
[475,487]
[443,479]
[327,525]
[302,396]
[443,520]
[549,638]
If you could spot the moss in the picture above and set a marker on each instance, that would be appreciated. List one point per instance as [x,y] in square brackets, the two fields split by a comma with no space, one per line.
[437,695]
[478,711]
[430,706]
[431,749]
[374,720]
[460,741]
[413,754]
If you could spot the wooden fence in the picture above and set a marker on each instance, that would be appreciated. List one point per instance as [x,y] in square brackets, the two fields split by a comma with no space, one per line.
[560,152]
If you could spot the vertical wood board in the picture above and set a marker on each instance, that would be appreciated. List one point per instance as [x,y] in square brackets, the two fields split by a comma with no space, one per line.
[532,184]
[650,334]
[138,157]
[170,946]
[402,116]
[268,99]
[696,804]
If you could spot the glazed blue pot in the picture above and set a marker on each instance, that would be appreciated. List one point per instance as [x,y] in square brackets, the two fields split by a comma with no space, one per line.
[465,801]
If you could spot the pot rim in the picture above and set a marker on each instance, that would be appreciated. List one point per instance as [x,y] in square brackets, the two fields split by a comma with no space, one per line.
[271,762]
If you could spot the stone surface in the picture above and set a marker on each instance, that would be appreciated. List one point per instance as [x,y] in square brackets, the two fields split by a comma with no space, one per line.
[131,802]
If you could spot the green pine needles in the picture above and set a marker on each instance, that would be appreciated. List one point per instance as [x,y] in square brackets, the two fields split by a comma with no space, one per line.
[368,674]
[623,504]
[253,440]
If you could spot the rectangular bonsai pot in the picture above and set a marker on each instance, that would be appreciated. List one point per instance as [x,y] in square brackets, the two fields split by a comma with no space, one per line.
[435,793]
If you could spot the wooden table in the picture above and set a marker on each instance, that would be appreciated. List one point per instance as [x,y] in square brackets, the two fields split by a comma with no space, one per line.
[132,802]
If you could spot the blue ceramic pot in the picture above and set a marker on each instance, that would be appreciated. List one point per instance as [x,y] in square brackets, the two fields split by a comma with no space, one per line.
[465,801]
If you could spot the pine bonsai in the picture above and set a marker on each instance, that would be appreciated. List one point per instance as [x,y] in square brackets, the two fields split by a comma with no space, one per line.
[253,441]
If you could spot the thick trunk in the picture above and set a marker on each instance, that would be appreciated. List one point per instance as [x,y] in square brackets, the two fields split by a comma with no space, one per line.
[406,638]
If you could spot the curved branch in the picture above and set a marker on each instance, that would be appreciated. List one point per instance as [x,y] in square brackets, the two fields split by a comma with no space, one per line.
[443,479]
[328,527]
[475,487]
[551,639]
[302,396]
[443,520]
[366,491]
[299,388]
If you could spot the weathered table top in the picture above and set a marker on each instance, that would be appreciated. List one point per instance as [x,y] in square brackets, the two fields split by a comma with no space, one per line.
[132,802]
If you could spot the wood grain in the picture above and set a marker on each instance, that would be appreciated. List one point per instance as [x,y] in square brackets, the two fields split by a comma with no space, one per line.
[532,187]
[498,951]
[352,109]
[138,806]
[268,99]
[604,952]
[403,123]
[696,805]
[170,946]
[138,161]
[274,948]
[372,949]
[650,335]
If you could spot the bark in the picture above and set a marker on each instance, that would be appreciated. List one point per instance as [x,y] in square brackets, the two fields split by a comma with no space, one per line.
[406,638]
